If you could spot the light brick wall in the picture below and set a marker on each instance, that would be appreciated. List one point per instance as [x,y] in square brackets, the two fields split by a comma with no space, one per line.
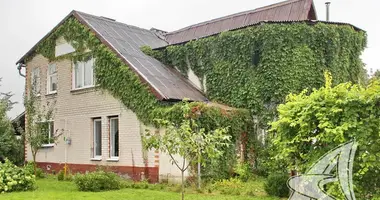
[74,111]
[168,171]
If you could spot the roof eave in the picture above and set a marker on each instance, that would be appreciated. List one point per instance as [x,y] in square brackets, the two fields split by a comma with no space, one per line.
[22,59]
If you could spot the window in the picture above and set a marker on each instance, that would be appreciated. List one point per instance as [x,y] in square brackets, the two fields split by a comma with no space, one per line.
[47,130]
[114,137]
[52,79]
[97,138]
[83,74]
[36,86]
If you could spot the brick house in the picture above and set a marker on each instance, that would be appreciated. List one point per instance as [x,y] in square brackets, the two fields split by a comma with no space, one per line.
[101,130]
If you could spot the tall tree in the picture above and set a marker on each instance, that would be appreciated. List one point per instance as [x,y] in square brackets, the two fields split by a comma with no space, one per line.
[5,97]
[10,147]
[377,74]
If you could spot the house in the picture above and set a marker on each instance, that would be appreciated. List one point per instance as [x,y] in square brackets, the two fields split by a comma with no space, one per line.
[98,128]
[18,124]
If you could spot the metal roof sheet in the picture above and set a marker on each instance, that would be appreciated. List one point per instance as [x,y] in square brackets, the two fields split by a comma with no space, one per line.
[291,10]
[126,41]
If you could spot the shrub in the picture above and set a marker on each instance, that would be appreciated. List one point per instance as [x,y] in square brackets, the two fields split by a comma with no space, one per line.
[13,178]
[30,168]
[231,186]
[310,124]
[126,184]
[141,185]
[98,181]
[276,185]
[244,171]
[61,175]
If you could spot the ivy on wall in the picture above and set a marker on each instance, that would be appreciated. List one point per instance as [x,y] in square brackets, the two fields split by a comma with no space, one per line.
[256,67]
[115,77]
[252,69]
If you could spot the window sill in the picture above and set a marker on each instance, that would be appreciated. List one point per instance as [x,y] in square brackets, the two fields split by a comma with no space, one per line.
[51,93]
[47,145]
[82,90]
[115,159]
[96,159]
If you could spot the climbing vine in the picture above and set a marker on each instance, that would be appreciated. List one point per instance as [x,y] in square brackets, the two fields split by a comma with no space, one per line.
[252,69]
[256,67]
[115,77]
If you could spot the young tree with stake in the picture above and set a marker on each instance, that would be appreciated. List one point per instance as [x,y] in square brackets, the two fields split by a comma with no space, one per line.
[37,131]
[188,141]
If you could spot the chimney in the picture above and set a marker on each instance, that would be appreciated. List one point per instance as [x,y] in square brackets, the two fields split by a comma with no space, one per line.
[327,11]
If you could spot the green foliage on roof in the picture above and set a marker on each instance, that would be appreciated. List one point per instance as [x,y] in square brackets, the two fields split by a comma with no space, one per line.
[115,77]
[256,67]
[252,69]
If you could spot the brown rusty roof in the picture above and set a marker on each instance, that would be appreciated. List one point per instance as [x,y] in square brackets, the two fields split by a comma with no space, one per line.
[291,10]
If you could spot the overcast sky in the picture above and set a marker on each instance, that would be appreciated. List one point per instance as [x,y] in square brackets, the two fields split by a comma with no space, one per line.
[24,22]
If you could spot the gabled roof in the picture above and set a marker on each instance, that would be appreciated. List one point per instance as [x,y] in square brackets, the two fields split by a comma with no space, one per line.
[291,10]
[125,41]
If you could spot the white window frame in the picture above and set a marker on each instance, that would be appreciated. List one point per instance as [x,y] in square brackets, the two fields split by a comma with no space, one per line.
[112,138]
[36,81]
[82,65]
[94,141]
[51,133]
[48,77]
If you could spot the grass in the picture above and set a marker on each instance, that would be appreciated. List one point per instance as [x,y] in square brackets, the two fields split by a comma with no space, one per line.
[50,188]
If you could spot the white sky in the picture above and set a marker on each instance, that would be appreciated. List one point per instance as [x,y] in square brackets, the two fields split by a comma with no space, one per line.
[24,22]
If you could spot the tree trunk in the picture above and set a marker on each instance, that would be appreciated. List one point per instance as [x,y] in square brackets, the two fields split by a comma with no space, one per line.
[34,164]
[199,172]
[183,185]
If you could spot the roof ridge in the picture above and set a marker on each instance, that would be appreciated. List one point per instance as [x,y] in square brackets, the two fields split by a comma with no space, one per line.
[282,3]
[110,20]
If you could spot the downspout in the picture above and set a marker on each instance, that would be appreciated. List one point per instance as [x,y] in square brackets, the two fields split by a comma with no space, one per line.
[19,67]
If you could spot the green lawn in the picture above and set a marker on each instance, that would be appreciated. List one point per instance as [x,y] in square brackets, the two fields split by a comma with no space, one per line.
[50,189]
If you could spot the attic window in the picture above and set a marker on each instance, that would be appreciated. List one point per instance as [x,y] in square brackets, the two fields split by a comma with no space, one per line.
[63,48]
[83,74]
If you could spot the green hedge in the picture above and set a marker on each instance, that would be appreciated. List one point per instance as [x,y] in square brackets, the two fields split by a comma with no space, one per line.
[98,181]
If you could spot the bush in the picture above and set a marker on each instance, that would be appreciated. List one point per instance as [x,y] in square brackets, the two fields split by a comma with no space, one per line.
[276,185]
[231,186]
[310,124]
[61,175]
[30,168]
[98,181]
[13,178]
[244,171]
[141,185]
